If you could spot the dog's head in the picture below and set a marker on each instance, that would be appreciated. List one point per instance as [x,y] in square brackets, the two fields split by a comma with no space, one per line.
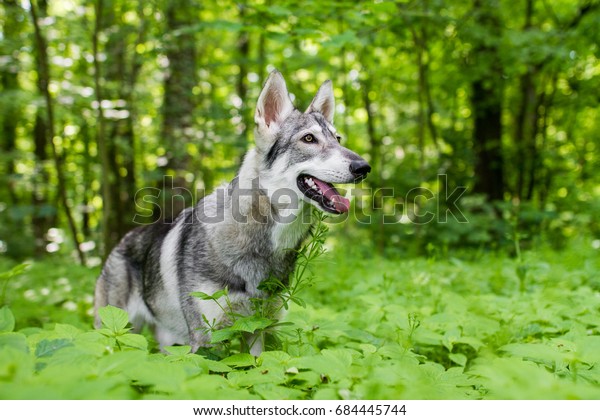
[301,151]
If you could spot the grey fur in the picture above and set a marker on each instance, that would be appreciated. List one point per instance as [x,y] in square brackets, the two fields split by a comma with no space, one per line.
[235,237]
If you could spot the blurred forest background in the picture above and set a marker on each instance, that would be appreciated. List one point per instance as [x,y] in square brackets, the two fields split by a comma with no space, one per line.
[99,99]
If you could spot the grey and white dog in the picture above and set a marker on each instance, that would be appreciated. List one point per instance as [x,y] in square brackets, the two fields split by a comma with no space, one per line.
[240,234]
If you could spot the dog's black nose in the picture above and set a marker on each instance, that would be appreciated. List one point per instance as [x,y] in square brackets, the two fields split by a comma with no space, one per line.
[359,168]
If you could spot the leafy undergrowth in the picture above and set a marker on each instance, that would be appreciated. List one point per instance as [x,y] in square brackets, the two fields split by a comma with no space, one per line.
[372,328]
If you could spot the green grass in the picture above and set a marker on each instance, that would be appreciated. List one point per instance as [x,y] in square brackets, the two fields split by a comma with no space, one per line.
[491,327]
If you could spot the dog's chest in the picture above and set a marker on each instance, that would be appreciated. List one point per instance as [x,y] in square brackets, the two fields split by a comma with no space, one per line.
[258,259]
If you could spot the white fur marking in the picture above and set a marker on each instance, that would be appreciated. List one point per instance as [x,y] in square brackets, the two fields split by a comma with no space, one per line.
[172,327]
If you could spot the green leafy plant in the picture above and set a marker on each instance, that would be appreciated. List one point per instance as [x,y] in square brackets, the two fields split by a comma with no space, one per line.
[115,321]
[263,321]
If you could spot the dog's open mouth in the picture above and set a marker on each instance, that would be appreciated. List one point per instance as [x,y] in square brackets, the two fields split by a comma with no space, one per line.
[323,193]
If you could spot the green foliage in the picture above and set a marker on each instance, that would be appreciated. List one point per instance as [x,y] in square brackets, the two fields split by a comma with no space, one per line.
[6,277]
[440,328]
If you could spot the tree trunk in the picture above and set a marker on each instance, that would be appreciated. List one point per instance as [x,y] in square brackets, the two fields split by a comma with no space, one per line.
[377,165]
[487,133]
[42,219]
[110,235]
[544,174]
[115,134]
[243,45]
[179,103]
[44,76]
[526,121]
[87,182]
[486,105]
[121,73]
[10,85]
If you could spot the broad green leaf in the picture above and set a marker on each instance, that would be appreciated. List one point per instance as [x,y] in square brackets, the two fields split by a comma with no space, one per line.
[332,363]
[367,348]
[160,375]
[215,366]
[67,331]
[240,360]
[221,335]
[106,332]
[537,352]
[178,350]
[115,319]
[46,348]
[274,358]
[115,363]
[471,341]
[208,387]
[252,377]
[458,358]
[7,320]
[136,341]
[271,391]
[251,323]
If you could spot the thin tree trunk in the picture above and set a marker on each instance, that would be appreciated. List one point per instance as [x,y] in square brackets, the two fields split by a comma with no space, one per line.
[44,75]
[524,127]
[544,174]
[87,182]
[243,46]
[109,213]
[10,85]
[344,81]
[116,135]
[376,164]
[418,41]
[41,220]
[534,117]
[179,102]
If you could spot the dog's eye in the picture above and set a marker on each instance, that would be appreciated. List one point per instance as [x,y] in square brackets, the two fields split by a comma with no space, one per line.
[308,138]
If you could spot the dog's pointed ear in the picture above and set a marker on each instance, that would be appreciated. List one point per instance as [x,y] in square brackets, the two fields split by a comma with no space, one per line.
[274,104]
[324,102]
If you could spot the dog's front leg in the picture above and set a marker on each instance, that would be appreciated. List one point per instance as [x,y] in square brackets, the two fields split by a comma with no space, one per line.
[197,328]
[255,343]
[197,340]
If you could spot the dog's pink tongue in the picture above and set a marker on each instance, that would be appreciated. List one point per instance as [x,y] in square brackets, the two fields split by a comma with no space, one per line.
[341,204]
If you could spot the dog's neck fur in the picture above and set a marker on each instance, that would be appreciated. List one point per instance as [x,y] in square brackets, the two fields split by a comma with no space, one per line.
[289,225]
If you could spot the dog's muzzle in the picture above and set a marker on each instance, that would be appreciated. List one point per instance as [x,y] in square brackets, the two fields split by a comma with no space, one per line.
[359,168]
